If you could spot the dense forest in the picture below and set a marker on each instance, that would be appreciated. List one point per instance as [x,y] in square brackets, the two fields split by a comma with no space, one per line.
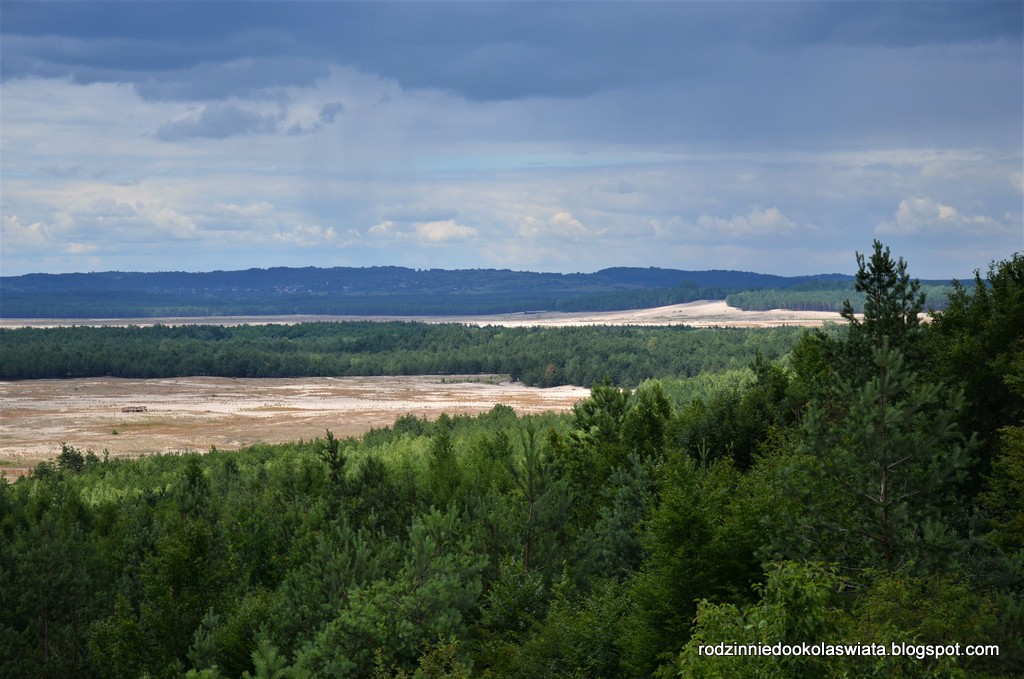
[823,295]
[536,356]
[375,291]
[864,490]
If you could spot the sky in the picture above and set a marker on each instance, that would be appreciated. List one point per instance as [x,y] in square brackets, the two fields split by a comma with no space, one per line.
[777,137]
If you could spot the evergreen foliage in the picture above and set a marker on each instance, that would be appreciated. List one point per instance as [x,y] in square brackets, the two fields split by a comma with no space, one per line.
[892,306]
[978,345]
[541,357]
[810,499]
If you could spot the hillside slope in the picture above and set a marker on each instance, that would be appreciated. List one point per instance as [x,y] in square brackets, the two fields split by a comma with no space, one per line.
[368,291]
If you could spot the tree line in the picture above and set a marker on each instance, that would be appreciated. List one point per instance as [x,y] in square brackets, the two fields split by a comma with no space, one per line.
[374,291]
[536,356]
[821,296]
[866,490]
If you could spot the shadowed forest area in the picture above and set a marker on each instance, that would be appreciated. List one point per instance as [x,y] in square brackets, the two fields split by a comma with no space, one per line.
[378,290]
[389,291]
[856,485]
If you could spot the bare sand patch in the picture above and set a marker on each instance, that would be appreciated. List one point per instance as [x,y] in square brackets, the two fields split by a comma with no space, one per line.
[195,413]
[702,314]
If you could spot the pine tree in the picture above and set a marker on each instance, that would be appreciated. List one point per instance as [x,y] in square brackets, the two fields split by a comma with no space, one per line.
[891,307]
[891,448]
[891,452]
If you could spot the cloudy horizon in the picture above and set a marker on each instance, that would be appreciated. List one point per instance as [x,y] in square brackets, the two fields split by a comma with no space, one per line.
[777,137]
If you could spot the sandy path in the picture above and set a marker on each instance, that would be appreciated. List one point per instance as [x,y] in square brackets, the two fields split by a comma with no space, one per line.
[697,314]
[194,413]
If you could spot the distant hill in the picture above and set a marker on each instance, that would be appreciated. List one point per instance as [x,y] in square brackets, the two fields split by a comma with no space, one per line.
[386,290]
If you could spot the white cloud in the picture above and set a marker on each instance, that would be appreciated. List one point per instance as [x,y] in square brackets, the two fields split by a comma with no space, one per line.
[436,232]
[110,215]
[168,220]
[419,213]
[308,236]
[916,216]
[38,237]
[770,222]
[565,225]
[19,234]
[530,227]
[561,225]
[104,220]
[383,229]
[230,210]
[657,228]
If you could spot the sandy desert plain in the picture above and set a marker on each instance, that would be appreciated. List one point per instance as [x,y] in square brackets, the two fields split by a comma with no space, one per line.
[195,413]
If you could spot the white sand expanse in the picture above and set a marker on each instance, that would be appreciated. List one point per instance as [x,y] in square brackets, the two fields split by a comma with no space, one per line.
[702,314]
[195,413]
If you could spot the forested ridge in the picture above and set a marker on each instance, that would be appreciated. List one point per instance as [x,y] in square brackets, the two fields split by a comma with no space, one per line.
[864,489]
[378,291]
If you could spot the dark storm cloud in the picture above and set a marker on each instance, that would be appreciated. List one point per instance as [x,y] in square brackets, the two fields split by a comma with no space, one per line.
[466,134]
[255,77]
[330,112]
[218,121]
[750,75]
[482,51]
[160,70]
